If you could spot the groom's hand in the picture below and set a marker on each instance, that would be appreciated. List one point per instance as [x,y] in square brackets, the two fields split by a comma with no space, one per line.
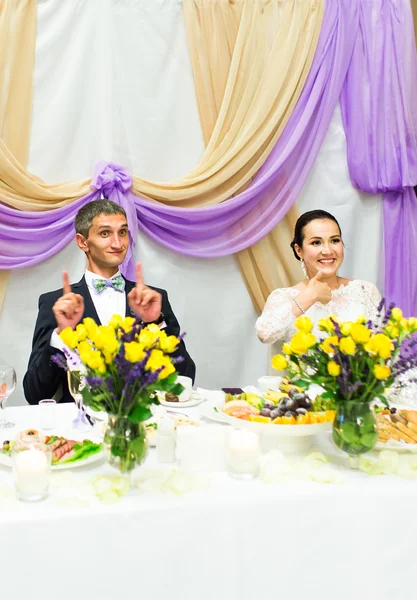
[145,303]
[69,308]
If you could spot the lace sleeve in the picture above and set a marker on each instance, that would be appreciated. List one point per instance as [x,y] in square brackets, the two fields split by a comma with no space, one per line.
[373,298]
[276,317]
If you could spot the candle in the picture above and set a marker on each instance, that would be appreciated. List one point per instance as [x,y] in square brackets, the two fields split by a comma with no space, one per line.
[243,454]
[31,467]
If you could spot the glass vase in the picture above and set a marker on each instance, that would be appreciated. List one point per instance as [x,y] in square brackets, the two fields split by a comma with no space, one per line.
[125,444]
[354,428]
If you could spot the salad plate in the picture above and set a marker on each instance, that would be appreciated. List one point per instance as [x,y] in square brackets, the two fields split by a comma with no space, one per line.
[80,450]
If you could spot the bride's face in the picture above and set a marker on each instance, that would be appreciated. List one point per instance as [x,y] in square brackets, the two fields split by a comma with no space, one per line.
[322,248]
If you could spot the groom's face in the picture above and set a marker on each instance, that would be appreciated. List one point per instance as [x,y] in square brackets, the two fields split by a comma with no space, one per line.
[107,241]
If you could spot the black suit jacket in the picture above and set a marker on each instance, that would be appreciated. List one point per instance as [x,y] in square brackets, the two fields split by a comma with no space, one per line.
[43,377]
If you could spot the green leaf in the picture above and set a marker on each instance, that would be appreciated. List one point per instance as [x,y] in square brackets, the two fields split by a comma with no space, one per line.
[328,394]
[140,414]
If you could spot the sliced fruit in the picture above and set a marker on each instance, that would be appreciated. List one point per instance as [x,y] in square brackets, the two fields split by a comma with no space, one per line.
[241,405]
[314,418]
[288,420]
[303,419]
[274,396]
[277,421]
[330,415]
[259,419]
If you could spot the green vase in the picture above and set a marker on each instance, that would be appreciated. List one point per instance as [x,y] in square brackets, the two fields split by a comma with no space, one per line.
[354,427]
[125,444]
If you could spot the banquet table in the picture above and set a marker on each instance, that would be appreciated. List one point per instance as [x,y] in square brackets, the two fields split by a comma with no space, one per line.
[229,540]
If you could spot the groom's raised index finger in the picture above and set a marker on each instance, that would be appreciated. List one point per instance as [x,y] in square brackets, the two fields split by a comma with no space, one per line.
[66,288]
[139,276]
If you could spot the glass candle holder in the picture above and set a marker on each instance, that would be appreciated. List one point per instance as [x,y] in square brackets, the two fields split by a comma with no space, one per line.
[32,470]
[243,454]
[47,414]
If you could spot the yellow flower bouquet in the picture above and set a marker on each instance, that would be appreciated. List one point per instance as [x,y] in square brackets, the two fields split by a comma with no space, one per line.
[355,362]
[124,363]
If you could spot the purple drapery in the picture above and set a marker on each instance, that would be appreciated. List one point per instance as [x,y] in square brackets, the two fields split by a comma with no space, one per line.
[379,108]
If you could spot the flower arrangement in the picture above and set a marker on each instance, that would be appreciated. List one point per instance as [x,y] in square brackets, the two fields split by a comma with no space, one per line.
[125,362]
[357,360]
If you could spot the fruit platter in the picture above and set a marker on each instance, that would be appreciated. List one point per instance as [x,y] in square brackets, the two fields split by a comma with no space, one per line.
[397,429]
[287,414]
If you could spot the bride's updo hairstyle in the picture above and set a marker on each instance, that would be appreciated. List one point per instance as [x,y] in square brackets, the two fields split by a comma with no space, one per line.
[304,220]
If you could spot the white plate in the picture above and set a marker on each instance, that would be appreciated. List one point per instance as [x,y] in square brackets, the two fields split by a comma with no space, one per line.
[6,460]
[396,446]
[193,401]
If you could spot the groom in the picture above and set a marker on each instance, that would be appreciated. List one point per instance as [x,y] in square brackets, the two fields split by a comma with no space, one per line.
[102,233]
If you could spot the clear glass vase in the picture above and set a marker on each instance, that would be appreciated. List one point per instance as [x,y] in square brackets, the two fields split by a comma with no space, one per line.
[354,427]
[125,444]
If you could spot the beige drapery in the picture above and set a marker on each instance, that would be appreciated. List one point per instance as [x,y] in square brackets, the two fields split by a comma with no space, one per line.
[17,52]
[274,48]
[212,30]
[414,7]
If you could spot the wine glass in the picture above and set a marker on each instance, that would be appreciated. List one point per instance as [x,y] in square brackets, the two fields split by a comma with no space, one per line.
[7,386]
[76,382]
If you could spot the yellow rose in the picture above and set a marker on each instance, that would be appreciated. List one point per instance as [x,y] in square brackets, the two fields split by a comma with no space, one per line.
[106,338]
[286,348]
[167,370]
[396,314]
[360,334]
[134,352]
[328,343]
[167,343]
[91,327]
[361,319]
[327,324]
[148,337]
[69,337]
[127,324]
[412,324]
[303,323]
[382,371]
[84,350]
[346,327]
[156,360]
[96,362]
[116,321]
[279,362]
[404,324]
[333,368]
[392,330]
[301,342]
[379,345]
[347,345]
[81,332]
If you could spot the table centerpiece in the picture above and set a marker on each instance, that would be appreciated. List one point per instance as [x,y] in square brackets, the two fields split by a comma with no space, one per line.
[355,362]
[124,363]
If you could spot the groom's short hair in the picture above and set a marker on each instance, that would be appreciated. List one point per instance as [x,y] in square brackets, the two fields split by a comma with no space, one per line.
[84,217]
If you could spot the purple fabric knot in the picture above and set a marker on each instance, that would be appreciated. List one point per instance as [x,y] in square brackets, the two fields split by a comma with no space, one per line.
[108,176]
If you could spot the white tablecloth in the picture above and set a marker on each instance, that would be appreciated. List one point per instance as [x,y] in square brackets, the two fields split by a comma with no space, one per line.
[236,540]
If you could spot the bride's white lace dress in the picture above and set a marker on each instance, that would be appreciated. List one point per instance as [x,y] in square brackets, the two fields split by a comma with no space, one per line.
[348,302]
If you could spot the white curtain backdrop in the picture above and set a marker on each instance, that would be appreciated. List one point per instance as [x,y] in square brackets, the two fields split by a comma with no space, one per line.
[113,81]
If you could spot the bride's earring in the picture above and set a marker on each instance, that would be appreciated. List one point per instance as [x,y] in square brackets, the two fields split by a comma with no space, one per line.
[303,268]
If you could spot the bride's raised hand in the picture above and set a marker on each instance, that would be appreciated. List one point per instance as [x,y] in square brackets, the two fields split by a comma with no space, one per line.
[320,290]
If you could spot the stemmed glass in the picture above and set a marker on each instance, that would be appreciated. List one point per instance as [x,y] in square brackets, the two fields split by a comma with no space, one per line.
[76,382]
[7,386]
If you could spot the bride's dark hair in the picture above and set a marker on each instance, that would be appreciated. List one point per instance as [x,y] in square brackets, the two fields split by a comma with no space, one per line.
[304,220]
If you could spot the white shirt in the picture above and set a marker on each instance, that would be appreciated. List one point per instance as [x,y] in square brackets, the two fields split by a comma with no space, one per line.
[107,303]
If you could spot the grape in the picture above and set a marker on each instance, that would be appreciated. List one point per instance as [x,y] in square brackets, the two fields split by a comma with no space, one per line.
[290,413]
[299,396]
[265,412]
[292,392]
[301,411]
[268,404]
[282,404]
[307,404]
[291,404]
[275,413]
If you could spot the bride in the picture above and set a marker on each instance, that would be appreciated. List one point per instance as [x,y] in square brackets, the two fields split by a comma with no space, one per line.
[318,245]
